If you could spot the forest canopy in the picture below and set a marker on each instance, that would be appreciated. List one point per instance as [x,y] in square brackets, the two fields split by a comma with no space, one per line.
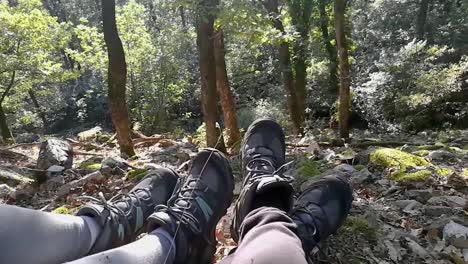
[405,63]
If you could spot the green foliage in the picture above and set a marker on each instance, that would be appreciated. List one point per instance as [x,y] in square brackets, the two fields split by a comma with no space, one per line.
[308,168]
[359,167]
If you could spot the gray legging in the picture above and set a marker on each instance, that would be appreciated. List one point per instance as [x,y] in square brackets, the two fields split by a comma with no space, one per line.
[28,236]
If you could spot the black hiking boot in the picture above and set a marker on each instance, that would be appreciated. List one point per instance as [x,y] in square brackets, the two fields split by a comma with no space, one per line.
[123,217]
[321,209]
[194,210]
[263,155]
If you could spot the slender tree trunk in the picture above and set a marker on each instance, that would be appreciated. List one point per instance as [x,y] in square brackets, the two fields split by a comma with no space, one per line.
[331,50]
[117,78]
[41,113]
[300,69]
[345,81]
[182,18]
[224,90]
[205,28]
[421,19]
[6,132]
[285,63]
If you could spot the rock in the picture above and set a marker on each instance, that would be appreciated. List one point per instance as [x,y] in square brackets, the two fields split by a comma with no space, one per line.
[326,154]
[54,183]
[363,156]
[458,180]
[12,178]
[55,170]
[456,234]
[362,176]
[436,210]
[417,249]
[21,195]
[345,168]
[5,190]
[420,195]
[92,133]
[55,152]
[408,205]
[27,138]
[182,156]
[65,189]
[440,155]
[452,201]
[114,165]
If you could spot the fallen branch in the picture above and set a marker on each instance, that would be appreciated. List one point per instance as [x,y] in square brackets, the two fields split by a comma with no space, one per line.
[75,143]
[142,142]
[20,145]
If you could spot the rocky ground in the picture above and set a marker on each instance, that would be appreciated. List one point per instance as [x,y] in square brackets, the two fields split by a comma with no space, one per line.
[410,190]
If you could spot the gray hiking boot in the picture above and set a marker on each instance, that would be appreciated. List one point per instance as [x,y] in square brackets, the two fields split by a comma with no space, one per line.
[194,210]
[124,216]
[263,155]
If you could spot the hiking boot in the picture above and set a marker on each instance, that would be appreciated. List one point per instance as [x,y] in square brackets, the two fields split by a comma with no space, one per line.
[194,210]
[263,155]
[123,217]
[321,209]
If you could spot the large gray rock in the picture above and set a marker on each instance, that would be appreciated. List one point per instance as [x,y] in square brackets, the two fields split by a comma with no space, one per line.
[437,210]
[5,190]
[345,168]
[420,195]
[456,234]
[452,201]
[55,152]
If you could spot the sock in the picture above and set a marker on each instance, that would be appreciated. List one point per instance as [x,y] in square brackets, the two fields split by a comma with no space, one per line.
[94,229]
[155,248]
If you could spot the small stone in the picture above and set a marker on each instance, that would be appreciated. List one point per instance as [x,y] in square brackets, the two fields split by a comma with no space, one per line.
[440,155]
[345,168]
[417,249]
[456,234]
[5,190]
[65,189]
[362,176]
[54,183]
[54,170]
[326,154]
[452,201]
[420,195]
[408,204]
[436,210]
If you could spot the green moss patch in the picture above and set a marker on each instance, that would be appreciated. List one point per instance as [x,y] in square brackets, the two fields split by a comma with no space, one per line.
[90,165]
[359,226]
[436,146]
[464,173]
[387,157]
[61,210]
[422,152]
[308,168]
[137,174]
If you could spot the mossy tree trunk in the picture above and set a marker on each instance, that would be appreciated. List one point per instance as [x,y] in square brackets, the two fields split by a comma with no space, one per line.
[329,47]
[116,79]
[345,80]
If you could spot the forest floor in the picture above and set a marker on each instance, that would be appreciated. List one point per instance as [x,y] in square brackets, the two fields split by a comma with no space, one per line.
[410,191]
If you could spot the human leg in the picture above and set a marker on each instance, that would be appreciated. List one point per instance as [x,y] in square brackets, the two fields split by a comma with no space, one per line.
[30,236]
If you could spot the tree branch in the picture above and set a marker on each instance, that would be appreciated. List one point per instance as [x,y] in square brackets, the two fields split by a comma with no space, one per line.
[10,85]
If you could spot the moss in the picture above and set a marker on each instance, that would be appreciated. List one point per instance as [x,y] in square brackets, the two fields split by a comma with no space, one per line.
[90,165]
[308,168]
[386,157]
[436,146]
[61,210]
[137,174]
[359,226]
[422,152]
[359,167]
[464,172]
[348,153]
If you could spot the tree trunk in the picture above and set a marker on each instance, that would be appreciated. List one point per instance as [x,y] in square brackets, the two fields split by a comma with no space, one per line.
[344,107]
[224,90]
[117,78]
[331,50]
[285,63]
[41,113]
[300,69]
[182,18]
[204,24]
[6,132]
[421,19]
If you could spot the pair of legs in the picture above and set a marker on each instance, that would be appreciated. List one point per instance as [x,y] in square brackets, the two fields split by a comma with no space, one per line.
[181,218]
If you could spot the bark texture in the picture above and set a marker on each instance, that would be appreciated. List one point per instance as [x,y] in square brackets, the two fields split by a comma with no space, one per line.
[205,27]
[224,90]
[421,19]
[4,128]
[330,48]
[345,81]
[117,78]
[285,63]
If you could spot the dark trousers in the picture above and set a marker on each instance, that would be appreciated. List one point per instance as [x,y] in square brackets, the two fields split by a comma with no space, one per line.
[267,236]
